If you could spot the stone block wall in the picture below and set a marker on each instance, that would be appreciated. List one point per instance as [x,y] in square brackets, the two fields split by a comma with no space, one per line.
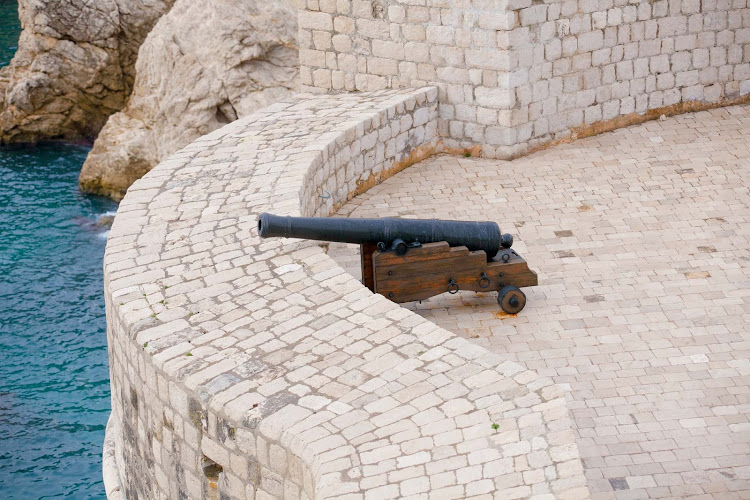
[195,369]
[398,134]
[515,74]
[253,369]
[244,368]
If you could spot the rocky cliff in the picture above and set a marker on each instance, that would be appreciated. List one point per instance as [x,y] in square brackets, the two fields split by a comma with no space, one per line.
[204,64]
[74,67]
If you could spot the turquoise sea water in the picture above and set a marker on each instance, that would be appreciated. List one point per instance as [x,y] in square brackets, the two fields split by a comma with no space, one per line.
[10,28]
[54,381]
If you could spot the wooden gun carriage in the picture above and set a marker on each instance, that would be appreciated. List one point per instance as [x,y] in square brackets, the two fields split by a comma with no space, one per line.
[409,259]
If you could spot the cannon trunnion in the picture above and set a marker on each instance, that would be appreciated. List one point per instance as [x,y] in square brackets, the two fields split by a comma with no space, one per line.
[408,259]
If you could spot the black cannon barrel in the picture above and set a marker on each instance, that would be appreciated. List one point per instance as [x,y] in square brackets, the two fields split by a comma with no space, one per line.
[473,235]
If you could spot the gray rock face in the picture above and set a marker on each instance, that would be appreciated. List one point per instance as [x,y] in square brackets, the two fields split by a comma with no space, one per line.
[75,66]
[205,63]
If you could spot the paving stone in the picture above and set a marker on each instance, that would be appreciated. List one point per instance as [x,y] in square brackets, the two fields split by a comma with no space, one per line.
[643,302]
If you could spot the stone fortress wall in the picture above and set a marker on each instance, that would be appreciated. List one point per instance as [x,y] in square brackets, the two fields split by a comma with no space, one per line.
[257,369]
[251,369]
[516,74]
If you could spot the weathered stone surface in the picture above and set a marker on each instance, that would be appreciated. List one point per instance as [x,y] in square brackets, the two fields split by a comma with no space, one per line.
[75,66]
[629,428]
[520,75]
[273,372]
[205,64]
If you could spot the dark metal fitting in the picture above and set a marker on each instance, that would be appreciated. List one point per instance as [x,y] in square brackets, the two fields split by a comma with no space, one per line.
[484,281]
[506,240]
[399,246]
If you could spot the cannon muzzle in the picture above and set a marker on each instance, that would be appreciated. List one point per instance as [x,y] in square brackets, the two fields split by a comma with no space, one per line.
[473,235]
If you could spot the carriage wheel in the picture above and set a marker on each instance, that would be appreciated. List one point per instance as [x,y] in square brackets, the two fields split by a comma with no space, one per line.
[511,299]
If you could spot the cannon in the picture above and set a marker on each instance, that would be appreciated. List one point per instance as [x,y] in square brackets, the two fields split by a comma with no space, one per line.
[412,259]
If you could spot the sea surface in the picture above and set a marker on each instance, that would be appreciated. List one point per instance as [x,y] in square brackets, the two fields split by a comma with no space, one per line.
[54,380]
[10,28]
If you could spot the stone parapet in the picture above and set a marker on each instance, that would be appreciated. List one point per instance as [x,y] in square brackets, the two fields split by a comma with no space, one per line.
[244,368]
[517,74]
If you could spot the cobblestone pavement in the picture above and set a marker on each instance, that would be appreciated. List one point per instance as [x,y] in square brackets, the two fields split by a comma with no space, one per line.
[640,238]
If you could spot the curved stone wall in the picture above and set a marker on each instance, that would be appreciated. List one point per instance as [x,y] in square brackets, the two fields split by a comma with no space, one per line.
[518,74]
[244,368]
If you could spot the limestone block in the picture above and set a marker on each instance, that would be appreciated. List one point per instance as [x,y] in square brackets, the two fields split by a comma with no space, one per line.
[315,20]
